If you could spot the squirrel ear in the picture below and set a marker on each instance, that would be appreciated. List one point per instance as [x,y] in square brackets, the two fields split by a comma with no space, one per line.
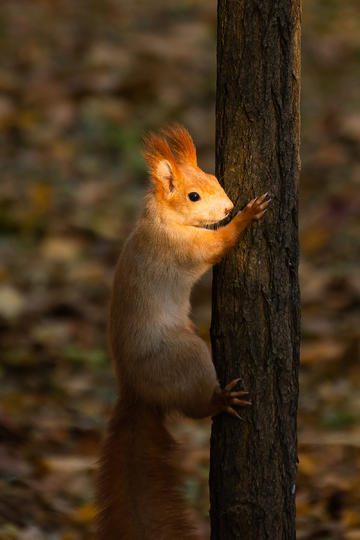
[165,174]
[163,169]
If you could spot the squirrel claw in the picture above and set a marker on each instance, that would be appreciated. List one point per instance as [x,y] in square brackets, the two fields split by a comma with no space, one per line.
[262,197]
[241,402]
[231,385]
[232,411]
[239,394]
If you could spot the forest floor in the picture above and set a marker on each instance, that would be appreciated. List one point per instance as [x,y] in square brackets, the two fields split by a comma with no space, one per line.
[80,82]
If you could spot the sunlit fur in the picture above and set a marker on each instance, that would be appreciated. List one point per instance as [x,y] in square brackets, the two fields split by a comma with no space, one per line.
[161,364]
[182,144]
[172,193]
[156,150]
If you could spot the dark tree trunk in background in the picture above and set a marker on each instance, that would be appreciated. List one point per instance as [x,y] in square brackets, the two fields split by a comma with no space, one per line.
[256,309]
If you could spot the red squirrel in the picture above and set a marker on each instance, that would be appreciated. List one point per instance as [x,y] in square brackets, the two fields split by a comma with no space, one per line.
[162,365]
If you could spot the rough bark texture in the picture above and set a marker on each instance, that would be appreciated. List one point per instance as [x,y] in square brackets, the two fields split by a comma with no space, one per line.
[256,309]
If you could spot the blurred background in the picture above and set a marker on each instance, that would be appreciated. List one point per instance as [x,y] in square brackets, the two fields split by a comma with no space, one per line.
[80,82]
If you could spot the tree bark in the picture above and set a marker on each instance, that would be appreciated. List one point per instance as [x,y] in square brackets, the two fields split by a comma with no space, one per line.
[255,327]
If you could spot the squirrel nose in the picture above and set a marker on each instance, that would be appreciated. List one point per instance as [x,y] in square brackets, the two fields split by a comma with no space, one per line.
[228,209]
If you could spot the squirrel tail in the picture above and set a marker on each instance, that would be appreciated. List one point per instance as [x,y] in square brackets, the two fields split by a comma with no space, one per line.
[137,492]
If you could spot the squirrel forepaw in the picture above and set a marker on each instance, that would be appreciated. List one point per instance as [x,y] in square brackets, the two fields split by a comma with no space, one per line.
[256,208]
[225,399]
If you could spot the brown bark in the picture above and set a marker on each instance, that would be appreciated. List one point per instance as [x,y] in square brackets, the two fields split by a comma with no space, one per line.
[256,309]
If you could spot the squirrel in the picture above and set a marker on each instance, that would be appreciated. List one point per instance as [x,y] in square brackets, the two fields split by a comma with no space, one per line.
[162,366]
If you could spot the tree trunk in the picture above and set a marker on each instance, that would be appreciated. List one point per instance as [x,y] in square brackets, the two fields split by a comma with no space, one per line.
[255,326]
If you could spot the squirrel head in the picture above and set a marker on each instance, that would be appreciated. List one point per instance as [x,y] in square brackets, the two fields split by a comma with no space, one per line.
[184,193]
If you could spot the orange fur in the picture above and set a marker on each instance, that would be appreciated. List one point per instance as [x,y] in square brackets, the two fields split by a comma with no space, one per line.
[138,482]
[182,144]
[156,150]
[161,364]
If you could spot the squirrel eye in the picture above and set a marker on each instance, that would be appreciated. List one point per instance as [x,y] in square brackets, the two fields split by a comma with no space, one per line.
[193,196]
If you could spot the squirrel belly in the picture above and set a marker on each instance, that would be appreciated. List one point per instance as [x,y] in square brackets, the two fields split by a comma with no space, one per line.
[161,364]
[150,338]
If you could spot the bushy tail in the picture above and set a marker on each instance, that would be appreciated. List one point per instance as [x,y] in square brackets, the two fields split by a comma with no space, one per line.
[137,494]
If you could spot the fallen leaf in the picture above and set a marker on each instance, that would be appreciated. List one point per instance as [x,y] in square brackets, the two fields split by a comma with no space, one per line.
[12,302]
[61,248]
[321,351]
[67,464]
[84,514]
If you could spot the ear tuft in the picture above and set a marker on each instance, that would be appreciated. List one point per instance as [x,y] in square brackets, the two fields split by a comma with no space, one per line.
[161,163]
[181,143]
